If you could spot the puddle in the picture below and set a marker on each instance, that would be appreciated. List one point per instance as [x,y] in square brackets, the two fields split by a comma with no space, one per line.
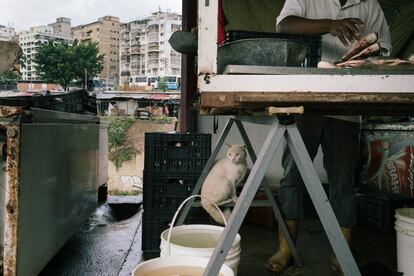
[123,211]
[110,213]
[104,242]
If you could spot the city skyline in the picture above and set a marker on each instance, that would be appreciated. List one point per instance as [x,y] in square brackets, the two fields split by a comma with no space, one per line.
[79,11]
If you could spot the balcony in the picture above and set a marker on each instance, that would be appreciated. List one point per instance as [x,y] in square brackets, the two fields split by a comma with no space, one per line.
[153,47]
[152,66]
[153,28]
[125,73]
[153,56]
[135,50]
[153,39]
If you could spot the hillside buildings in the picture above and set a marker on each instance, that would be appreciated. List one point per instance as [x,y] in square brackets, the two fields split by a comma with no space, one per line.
[135,53]
[145,54]
[31,40]
[6,33]
[62,27]
[105,32]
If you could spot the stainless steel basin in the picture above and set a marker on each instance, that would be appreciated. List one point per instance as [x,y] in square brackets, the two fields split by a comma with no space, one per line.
[262,51]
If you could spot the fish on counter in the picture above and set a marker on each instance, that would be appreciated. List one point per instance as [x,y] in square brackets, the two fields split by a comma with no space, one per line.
[361,55]
[375,62]
[359,46]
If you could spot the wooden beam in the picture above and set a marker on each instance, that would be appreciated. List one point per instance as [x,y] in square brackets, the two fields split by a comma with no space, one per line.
[314,103]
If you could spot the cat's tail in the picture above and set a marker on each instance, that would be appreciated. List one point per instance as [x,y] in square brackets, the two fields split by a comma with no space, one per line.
[214,213]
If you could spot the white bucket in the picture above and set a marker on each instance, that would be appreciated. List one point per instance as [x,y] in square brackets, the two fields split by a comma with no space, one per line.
[170,266]
[197,240]
[404,225]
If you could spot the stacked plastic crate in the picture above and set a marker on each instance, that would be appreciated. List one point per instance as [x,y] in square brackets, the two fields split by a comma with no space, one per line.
[172,166]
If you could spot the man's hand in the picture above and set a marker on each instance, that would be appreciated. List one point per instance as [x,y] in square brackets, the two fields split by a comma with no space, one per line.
[347,30]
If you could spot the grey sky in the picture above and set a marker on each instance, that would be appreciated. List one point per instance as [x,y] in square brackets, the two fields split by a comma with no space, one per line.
[29,13]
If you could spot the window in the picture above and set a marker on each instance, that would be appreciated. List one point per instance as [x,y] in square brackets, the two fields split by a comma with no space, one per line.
[141,79]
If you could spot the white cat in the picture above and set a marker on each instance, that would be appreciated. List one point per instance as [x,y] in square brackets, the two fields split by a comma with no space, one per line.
[220,184]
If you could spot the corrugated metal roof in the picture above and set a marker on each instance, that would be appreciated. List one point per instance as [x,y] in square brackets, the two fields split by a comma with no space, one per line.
[124,95]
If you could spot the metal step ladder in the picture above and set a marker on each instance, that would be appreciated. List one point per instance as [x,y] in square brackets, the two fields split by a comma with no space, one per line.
[285,127]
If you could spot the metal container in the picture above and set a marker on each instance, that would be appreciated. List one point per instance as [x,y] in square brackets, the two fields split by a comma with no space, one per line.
[261,51]
[49,183]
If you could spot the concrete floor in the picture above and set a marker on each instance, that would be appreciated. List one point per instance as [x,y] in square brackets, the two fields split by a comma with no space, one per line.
[114,248]
[106,245]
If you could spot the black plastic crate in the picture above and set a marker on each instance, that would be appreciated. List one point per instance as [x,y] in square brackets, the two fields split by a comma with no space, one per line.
[72,102]
[166,191]
[174,152]
[154,223]
[378,213]
[314,42]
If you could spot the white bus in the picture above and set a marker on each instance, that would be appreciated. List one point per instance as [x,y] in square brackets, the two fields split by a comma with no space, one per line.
[138,81]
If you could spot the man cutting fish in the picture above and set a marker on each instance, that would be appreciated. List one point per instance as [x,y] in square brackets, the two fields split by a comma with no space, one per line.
[341,23]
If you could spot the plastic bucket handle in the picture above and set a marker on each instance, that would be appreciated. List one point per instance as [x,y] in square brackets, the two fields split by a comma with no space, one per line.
[178,211]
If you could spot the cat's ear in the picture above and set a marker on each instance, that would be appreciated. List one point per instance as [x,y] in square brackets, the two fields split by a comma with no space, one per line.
[228,145]
[243,147]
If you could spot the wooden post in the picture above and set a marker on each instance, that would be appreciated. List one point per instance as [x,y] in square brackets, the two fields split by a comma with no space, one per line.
[188,117]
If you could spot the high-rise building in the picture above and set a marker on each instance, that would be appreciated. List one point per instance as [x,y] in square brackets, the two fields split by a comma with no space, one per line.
[105,32]
[31,40]
[6,33]
[62,27]
[145,53]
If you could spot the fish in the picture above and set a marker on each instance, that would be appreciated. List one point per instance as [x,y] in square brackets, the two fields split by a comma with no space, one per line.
[360,45]
[374,48]
[375,62]
[387,61]
[352,63]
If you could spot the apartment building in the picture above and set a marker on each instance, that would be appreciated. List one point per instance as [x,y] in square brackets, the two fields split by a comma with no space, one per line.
[145,54]
[31,40]
[62,27]
[105,32]
[6,33]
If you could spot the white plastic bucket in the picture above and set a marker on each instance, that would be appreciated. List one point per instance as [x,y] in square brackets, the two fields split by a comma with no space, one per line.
[404,226]
[170,266]
[197,240]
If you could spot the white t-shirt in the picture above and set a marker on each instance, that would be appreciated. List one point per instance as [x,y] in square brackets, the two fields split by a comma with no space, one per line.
[368,11]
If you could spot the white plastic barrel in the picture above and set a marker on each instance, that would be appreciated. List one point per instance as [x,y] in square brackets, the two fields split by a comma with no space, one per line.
[168,266]
[197,240]
[404,226]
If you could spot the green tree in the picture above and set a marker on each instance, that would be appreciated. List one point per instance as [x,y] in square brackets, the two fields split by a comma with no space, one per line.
[61,63]
[8,80]
[87,58]
[10,75]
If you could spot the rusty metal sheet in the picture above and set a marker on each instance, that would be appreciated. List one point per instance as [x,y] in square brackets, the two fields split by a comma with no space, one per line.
[12,203]
[9,111]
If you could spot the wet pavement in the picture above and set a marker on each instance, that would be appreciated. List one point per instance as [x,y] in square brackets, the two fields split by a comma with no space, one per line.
[108,244]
